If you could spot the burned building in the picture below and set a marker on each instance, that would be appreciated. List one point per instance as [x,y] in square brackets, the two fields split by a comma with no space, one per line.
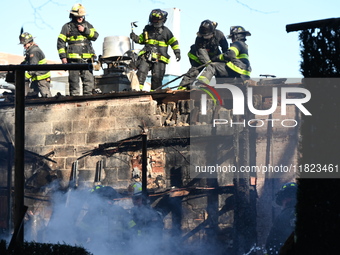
[72,143]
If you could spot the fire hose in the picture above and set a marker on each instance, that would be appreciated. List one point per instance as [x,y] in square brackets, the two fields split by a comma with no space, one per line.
[196,68]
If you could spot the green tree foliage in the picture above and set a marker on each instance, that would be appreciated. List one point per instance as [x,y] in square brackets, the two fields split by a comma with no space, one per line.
[33,248]
[320,51]
[318,207]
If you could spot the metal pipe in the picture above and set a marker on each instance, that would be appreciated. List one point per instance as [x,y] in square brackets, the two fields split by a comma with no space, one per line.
[74,175]
[99,167]
[334,22]
[46,67]
[9,187]
[19,141]
[9,179]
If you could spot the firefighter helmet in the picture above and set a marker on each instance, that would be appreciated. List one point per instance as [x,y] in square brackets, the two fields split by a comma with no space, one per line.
[157,17]
[287,190]
[25,38]
[238,32]
[207,28]
[78,10]
[105,192]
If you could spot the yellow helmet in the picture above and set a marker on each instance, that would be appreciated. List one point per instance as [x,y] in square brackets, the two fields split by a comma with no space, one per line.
[78,10]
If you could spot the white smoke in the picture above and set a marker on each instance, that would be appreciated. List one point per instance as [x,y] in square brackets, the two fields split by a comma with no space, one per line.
[101,226]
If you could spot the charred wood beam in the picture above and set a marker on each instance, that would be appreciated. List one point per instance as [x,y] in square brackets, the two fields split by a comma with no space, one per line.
[135,144]
[312,24]
[19,145]
[210,221]
[30,154]
[109,149]
[17,240]
[201,226]
[6,136]
[36,155]
[38,199]
[160,97]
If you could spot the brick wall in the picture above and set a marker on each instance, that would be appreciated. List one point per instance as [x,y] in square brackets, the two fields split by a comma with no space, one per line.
[67,130]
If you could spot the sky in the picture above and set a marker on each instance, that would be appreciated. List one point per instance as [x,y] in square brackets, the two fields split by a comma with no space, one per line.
[271,49]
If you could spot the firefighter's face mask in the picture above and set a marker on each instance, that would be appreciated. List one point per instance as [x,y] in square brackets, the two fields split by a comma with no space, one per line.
[157,22]
[207,37]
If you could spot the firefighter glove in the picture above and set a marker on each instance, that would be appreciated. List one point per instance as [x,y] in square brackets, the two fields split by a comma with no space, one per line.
[216,58]
[178,56]
[134,37]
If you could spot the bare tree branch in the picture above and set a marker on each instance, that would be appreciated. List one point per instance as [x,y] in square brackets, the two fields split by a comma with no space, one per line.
[252,9]
[39,20]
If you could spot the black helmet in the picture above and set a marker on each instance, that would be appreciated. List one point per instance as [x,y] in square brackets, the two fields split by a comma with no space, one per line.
[238,32]
[25,38]
[288,190]
[157,17]
[207,28]
[105,192]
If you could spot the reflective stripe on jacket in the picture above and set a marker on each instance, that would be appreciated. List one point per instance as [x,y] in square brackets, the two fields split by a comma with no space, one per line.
[35,56]
[156,42]
[237,58]
[73,44]
[205,50]
[193,57]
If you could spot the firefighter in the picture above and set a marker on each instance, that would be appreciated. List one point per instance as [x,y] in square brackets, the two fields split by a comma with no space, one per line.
[106,224]
[40,79]
[234,63]
[284,224]
[208,44]
[154,56]
[147,228]
[75,46]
